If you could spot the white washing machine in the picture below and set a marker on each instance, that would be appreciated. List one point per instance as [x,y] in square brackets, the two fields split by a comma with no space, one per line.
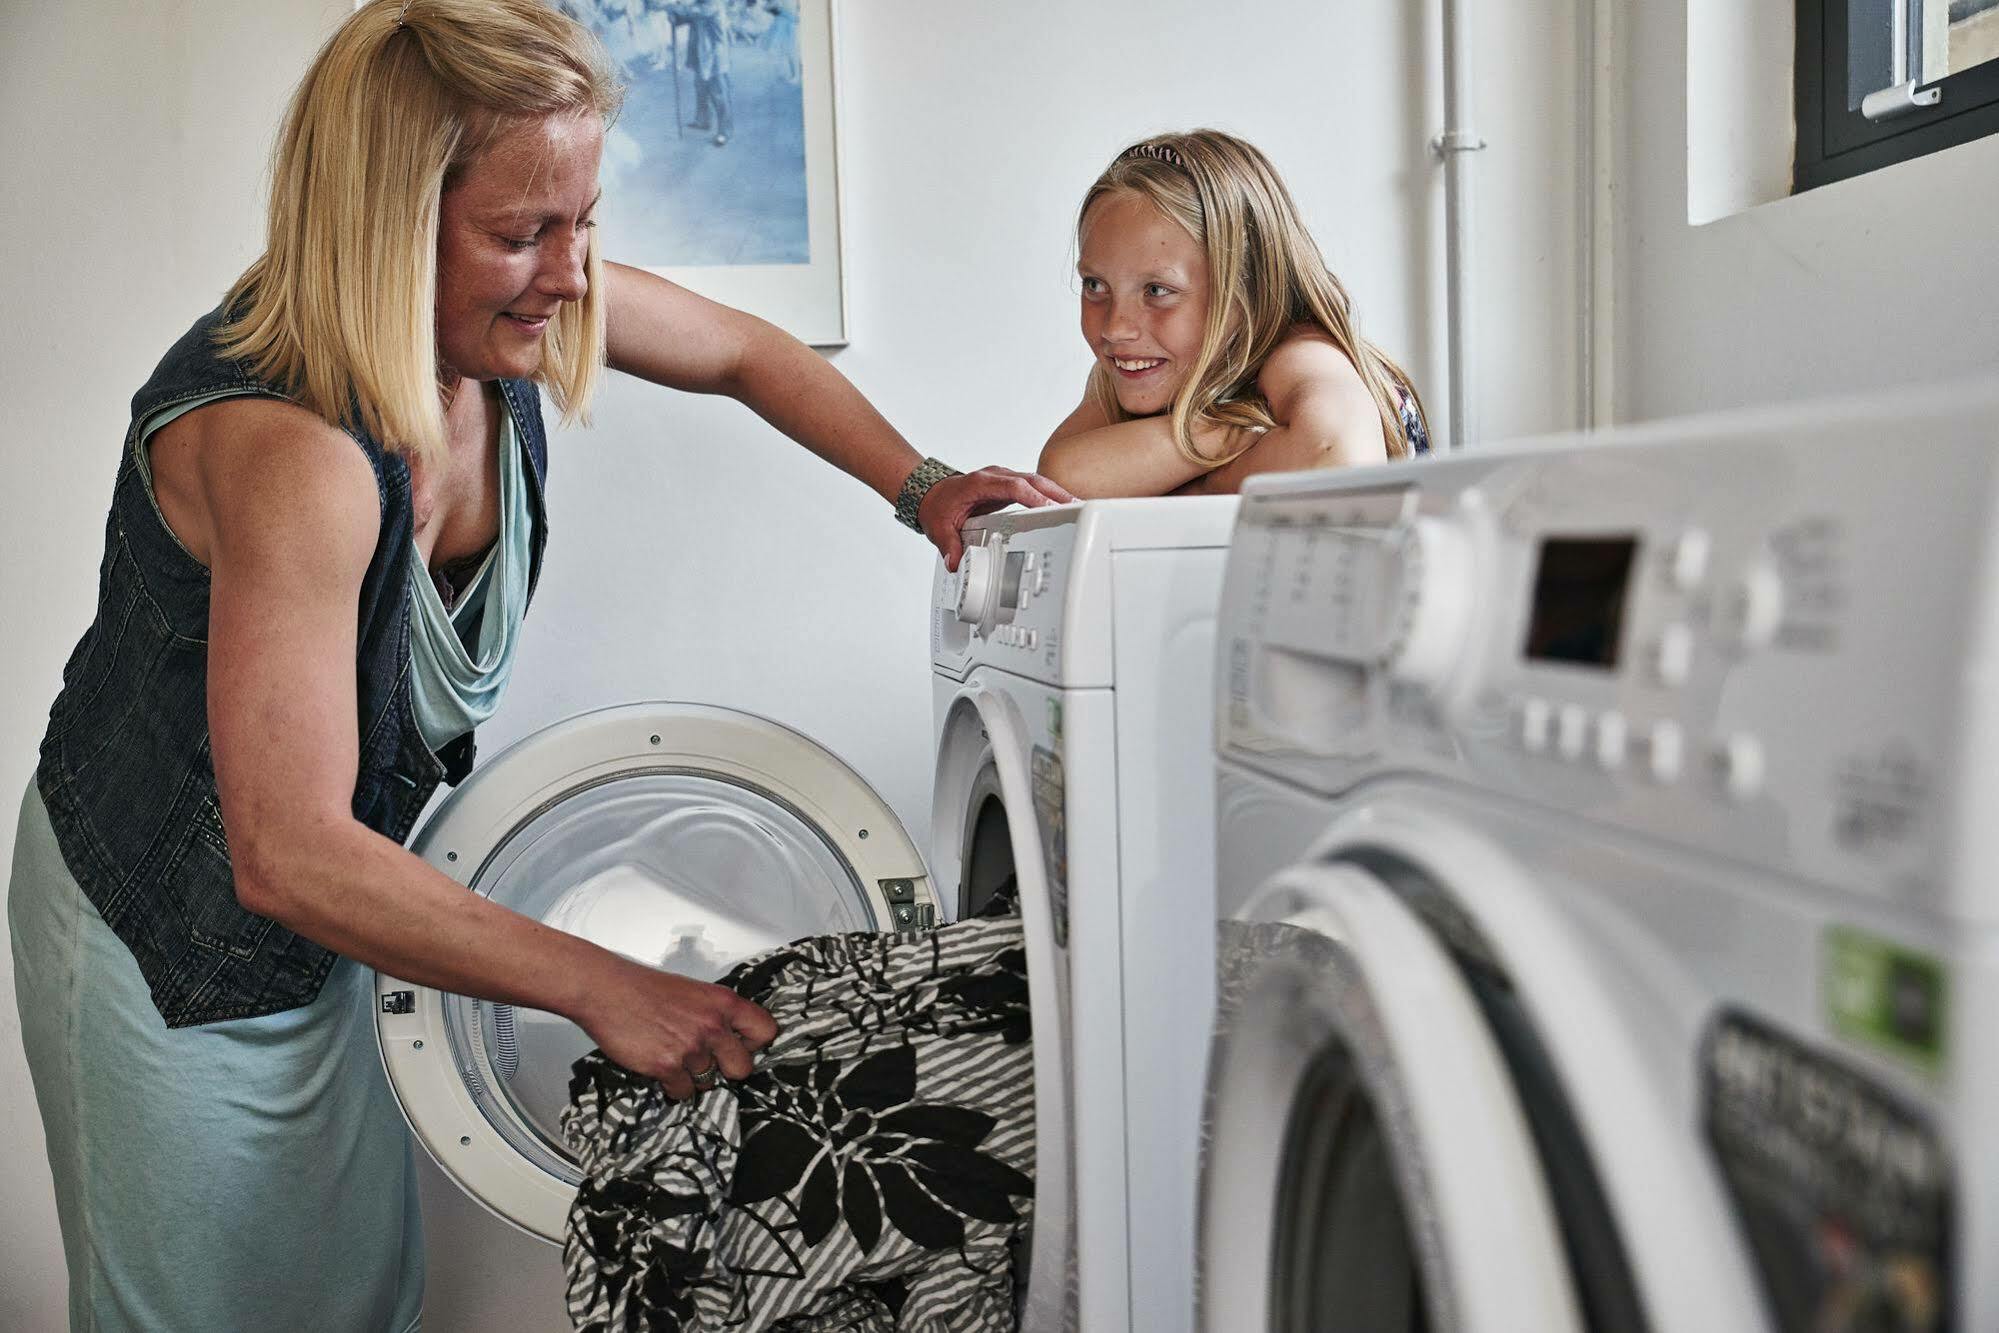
[685,836]
[1074,653]
[1606,892]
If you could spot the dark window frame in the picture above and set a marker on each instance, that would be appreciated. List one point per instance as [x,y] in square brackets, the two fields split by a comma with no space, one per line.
[1835,143]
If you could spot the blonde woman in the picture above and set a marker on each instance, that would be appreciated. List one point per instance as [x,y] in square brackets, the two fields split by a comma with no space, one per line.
[326,527]
[1222,344]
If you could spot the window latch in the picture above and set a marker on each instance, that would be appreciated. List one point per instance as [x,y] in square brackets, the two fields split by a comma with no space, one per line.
[1899,100]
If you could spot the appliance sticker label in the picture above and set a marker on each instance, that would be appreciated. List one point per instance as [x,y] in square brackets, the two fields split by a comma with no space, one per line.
[1843,1193]
[1884,995]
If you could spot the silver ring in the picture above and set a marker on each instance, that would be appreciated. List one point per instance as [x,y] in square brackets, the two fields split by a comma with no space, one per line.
[708,1077]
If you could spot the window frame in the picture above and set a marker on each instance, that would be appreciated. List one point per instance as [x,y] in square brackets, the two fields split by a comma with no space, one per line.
[1834,143]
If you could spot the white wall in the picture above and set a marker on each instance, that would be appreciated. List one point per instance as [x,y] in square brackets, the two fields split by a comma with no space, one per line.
[1882,280]
[695,554]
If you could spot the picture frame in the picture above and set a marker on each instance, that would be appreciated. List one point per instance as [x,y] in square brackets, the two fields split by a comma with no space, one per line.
[722,173]
[680,213]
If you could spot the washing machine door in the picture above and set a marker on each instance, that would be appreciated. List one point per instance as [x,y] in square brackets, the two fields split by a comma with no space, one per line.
[1369,1167]
[686,837]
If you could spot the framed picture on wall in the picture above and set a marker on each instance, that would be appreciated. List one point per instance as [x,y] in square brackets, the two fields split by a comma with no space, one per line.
[722,172]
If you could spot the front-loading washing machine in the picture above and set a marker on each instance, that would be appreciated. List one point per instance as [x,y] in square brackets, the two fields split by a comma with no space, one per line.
[1073,652]
[1605,909]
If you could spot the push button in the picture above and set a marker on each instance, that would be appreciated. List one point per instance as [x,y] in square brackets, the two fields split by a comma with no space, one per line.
[1664,751]
[1686,566]
[1571,731]
[1535,718]
[1738,765]
[1610,737]
[1674,656]
[1751,609]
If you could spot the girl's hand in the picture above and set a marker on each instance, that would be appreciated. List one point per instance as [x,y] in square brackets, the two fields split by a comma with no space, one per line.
[953,500]
[672,1027]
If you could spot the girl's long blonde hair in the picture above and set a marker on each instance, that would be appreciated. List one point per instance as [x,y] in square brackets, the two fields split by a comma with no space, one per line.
[1265,276]
[341,308]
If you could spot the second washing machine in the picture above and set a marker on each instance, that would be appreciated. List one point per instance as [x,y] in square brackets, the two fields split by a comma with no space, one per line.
[1073,652]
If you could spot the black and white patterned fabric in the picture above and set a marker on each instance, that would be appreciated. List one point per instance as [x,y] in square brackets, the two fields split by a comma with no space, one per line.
[872,1175]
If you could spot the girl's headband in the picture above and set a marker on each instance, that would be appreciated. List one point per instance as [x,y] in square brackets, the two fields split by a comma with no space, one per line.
[1159,151]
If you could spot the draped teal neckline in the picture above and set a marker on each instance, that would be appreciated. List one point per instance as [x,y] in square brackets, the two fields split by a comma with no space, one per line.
[455,685]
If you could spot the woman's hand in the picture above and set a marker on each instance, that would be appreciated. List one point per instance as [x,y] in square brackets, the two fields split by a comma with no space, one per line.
[672,1028]
[953,500]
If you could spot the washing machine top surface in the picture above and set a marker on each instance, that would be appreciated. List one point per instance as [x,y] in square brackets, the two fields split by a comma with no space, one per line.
[1033,593]
[1758,637]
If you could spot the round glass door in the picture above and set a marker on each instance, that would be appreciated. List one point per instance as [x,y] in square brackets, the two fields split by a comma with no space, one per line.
[686,872]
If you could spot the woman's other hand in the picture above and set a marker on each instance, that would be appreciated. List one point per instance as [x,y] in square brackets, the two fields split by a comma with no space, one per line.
[953,500]
[673,1028]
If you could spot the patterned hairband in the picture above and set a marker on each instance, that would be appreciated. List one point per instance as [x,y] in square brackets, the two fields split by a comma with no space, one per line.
[1159,151]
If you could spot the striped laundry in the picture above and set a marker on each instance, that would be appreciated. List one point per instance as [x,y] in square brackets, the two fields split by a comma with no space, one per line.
[874,1174]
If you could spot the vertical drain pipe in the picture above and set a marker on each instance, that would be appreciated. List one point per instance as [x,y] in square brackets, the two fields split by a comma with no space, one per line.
[1453,146]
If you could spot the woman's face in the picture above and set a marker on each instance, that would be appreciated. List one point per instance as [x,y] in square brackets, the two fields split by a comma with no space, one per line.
[512,235]
[1145,299]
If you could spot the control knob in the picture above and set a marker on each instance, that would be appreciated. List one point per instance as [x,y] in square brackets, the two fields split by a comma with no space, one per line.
[1432,618]
[978,583]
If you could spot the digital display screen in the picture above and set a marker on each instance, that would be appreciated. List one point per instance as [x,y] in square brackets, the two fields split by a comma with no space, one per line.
[1580,585]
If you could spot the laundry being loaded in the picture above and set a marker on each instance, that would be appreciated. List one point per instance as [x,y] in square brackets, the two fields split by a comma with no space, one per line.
[874,1174]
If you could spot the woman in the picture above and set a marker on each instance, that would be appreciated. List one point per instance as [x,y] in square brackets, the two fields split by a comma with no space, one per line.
[1222,344]
[326,527]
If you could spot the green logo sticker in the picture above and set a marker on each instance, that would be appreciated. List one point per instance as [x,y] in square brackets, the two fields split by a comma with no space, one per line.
[1885,995]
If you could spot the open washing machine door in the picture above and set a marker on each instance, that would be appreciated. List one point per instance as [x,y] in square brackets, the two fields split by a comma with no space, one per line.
[683,836]
[1369,1167]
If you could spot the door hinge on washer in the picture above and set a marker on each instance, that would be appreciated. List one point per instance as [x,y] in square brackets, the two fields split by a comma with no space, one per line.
[903,909]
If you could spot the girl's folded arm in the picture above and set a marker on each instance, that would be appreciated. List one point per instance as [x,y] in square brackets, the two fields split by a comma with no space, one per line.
[1325,418]
[1096,458]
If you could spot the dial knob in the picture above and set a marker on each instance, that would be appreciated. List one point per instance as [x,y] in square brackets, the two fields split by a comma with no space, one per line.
[978,584]
[1433,620]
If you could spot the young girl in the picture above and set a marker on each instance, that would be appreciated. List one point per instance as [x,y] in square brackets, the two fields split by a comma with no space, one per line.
[1223,345]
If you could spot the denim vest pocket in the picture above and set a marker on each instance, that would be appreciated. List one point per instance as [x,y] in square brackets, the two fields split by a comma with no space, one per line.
[201,883]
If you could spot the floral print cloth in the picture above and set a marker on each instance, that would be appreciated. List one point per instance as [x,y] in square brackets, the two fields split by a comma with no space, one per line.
[872,1175]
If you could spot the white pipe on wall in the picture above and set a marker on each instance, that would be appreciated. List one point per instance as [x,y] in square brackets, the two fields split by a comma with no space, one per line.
[1598,331]
[1454,145]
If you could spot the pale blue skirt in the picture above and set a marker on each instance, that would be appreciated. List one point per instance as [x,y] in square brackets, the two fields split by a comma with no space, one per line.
[246,1175]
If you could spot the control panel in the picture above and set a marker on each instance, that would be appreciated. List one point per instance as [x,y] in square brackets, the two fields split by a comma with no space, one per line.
[1758,639]
[1004,603]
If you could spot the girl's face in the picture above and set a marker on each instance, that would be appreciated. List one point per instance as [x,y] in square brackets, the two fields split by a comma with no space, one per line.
[1145,299]
[512,236]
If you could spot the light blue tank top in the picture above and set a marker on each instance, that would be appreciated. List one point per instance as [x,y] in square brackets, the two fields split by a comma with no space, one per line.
[455,684]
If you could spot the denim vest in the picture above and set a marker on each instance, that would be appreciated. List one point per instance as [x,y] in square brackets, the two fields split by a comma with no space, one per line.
[125,767]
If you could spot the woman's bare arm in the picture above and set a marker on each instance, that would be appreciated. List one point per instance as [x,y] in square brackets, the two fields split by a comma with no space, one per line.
[667,334]
[294,518]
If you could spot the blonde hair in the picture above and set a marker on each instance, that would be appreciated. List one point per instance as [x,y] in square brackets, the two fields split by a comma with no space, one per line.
[1265,276]
[341,309]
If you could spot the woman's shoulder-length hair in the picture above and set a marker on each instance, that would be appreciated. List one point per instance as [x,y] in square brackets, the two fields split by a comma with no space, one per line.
[340,309]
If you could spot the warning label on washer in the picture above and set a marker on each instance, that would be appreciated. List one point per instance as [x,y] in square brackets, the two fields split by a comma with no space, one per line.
[1843,1193]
